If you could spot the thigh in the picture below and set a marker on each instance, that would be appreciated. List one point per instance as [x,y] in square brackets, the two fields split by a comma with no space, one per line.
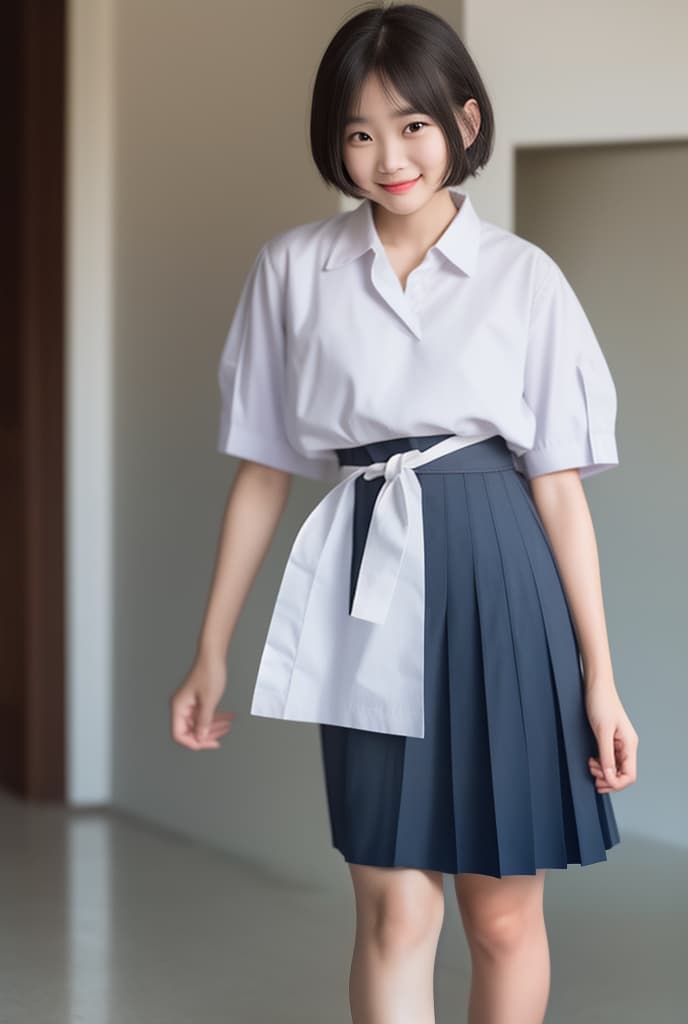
[484,900]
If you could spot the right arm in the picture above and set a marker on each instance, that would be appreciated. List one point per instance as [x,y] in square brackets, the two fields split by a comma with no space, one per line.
[255,502]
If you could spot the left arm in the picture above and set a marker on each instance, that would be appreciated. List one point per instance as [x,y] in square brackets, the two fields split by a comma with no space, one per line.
[563,508]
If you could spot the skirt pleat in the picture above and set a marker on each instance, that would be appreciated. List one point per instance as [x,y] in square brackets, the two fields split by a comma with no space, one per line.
[499,785]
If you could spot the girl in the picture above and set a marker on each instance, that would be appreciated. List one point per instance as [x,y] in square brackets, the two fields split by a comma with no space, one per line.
[440,614]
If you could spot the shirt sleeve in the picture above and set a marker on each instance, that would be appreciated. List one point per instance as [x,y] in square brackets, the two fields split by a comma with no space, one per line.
[251,377]
[567,385]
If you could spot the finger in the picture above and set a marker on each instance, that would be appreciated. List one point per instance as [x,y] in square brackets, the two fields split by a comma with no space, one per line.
[204,717]
[220,720]
[607,757]
[208,744]
[627,769]
[215,732]
[192,719]
[189,740]
[182,723]
[184,720]
[219,727]
[185,735]
[601,785]
[603,778]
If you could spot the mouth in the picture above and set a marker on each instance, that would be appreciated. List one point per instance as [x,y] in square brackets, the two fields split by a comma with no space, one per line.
[401,186]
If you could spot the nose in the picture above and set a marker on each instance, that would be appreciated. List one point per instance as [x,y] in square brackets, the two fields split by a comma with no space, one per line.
[390,169]
[392,160]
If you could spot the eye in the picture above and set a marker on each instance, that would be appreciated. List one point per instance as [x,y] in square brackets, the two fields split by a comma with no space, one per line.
[412,124]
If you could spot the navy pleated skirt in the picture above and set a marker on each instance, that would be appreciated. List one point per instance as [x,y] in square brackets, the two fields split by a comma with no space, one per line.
[499,785]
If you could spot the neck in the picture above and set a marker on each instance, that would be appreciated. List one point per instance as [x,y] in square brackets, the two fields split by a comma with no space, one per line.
[418,230]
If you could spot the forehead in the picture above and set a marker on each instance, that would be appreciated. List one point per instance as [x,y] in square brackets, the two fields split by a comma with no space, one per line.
[376,100]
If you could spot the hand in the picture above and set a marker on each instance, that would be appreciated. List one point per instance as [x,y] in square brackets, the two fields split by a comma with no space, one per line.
[616,738]
[195,723]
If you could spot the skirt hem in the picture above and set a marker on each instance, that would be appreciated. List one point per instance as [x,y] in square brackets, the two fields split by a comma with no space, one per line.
[559,866]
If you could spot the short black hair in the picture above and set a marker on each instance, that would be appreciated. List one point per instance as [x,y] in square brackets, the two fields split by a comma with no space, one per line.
[422,57]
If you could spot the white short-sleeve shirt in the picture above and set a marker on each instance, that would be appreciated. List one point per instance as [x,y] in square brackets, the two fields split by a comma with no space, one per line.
[326,350]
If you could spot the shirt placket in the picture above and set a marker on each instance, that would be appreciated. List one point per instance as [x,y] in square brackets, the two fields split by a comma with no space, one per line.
[388,286]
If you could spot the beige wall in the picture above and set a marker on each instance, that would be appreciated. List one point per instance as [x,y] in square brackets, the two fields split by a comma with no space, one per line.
[586,72]
[209,137]
[564,76]
[210,158]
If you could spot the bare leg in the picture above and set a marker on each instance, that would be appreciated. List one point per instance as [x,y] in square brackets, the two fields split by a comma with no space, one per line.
[505,929]
[399,914]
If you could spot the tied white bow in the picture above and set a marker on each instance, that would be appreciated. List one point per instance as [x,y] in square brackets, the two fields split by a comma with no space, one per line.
[398,502]
[364,667]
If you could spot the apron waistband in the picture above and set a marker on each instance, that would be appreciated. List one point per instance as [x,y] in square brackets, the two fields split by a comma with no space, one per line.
[492,452]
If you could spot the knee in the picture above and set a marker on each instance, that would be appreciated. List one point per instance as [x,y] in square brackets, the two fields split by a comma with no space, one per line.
[497,933]
[403,924]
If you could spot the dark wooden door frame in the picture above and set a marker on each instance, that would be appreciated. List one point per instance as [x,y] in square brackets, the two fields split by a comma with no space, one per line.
[32,678]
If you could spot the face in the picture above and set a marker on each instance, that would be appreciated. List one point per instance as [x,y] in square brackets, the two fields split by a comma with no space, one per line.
[385,147]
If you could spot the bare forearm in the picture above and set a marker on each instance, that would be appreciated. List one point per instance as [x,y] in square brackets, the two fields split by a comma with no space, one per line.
[255,503]
[563,508]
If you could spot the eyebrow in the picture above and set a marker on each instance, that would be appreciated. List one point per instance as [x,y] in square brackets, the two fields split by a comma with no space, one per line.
[402,112]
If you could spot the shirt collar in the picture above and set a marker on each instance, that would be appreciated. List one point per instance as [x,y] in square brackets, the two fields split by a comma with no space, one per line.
[459,242]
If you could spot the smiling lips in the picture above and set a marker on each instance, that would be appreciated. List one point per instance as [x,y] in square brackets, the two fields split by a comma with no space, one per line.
[401,186]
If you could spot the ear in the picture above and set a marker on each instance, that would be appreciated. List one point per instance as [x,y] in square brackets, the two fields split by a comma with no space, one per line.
[468,120]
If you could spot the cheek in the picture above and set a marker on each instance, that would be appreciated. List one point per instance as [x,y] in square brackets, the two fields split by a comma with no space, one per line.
[357,161]
[432,149]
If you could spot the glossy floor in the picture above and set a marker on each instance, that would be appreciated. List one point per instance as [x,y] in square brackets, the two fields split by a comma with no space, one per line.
[106,921]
